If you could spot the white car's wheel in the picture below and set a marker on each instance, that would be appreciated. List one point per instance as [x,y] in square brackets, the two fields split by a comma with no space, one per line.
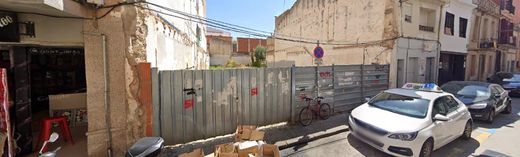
[427,148]
[466,135]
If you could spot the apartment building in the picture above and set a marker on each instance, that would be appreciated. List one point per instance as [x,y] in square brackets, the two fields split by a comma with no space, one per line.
[220,46]
[454,38]
[482,51]
[94,57]
[404,34]
[507,43]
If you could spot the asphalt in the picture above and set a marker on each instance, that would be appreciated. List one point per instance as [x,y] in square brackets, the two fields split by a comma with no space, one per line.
[499,139]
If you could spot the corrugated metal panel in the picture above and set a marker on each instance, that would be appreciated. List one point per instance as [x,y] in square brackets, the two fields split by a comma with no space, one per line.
[223,99]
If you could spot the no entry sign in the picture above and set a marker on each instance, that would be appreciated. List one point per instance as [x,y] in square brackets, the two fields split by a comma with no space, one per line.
[318,52]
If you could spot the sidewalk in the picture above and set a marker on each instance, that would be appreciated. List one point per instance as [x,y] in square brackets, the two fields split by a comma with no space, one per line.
[283,135]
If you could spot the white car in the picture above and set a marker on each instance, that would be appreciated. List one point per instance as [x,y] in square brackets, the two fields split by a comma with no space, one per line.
[411,121]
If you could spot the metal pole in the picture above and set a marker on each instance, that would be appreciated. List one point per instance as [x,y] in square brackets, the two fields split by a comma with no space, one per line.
[107,107]
[318,74]
[363,76]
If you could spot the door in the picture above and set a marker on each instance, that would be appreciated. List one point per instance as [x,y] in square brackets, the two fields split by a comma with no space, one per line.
[429,70]
[412,70]
[440,128]
[458,122]
[500,96]
[400,72]
[22,97]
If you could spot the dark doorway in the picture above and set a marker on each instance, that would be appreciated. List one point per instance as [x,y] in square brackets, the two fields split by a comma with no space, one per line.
[451,67]
[35,73]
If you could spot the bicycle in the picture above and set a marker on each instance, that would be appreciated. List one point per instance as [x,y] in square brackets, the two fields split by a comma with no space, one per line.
[313,109]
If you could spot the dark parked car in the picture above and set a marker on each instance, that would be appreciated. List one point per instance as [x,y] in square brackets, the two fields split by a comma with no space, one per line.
[512,85]
[483,100]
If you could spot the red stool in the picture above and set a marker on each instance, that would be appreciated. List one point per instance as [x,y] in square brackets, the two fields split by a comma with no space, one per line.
[47,128]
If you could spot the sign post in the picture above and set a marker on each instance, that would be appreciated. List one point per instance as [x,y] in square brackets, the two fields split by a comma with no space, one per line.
[318,55]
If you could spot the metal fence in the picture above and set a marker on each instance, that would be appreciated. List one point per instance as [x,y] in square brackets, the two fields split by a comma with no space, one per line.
[341,86]
[196,104]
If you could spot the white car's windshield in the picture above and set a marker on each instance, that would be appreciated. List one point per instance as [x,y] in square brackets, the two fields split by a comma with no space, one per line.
[400,104]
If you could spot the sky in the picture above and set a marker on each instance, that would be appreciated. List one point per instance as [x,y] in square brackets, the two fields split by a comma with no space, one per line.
[256,14]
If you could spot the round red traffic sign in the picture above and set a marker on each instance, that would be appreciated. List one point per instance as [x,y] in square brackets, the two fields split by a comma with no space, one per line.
[318,52]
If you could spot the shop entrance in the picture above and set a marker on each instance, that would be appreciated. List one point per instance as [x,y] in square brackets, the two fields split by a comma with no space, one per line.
[46,82]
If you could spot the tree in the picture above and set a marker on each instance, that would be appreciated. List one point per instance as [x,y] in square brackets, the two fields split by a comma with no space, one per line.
[258,57]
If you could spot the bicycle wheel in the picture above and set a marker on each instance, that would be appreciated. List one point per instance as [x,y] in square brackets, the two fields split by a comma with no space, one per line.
[325,111]
[305,116]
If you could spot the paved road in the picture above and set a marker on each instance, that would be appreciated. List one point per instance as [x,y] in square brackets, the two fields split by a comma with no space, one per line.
[500,139]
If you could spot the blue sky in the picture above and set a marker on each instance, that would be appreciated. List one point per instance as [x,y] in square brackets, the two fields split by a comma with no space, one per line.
[257,14]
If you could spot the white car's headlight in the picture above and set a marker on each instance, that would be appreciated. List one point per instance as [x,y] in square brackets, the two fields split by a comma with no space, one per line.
[404,136]
[480,105]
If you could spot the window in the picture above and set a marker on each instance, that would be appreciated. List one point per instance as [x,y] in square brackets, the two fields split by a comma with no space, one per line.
[408,12]
[427,19]
[449,24]
[453,105]
[440,107]
[199,35]
[494,90]
[463,25]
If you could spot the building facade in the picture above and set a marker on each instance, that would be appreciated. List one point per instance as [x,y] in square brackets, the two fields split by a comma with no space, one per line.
[69,47]
[248,45]
[220,46]
[404,34]
[482,51]
[455,36]
[507,43]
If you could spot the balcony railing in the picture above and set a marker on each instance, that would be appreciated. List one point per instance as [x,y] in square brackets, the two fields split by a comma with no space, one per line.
[426,28]
[508,40]
[487,43]
[508,5]
[487,6]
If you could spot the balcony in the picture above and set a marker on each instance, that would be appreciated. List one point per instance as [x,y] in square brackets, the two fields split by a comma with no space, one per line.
[508,40]
[426,28]
[507,7]
[487,6]
[487,43]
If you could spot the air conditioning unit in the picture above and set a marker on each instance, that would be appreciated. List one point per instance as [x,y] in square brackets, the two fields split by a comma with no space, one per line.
[97,2]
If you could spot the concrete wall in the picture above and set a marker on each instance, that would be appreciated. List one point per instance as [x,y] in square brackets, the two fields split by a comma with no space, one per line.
[53,31]
[473,64]
[247,45]
[173,43]
[416,9]
[219,45]
[341,22]
[455,43]
[125,32]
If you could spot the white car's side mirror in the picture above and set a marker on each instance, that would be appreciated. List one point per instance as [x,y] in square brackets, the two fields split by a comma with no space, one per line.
[439,117]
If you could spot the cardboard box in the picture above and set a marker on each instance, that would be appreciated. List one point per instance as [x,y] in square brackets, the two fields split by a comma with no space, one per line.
[195,153]
[248,151]
[257,135]
[243,132]
[225,150]
[268,150]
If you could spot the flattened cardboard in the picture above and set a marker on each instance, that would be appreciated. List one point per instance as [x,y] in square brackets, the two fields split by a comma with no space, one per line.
[257,135]
[195,153]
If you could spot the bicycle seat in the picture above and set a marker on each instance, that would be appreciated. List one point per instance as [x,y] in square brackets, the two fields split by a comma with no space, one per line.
[320,97]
